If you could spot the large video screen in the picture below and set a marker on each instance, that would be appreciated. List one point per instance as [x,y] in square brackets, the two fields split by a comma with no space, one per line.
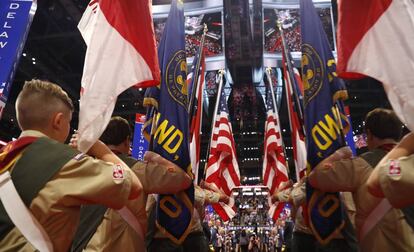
[194,25]
[290,22]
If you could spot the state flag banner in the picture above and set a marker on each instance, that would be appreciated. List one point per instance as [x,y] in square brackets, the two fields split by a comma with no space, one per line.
[323,93]
[168,126]
[375,38]
[121,53]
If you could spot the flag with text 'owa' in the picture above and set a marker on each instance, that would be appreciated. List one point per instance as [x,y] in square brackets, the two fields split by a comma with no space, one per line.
[168,106]
[322,89]
[121,54]
[222,167]
[274,161]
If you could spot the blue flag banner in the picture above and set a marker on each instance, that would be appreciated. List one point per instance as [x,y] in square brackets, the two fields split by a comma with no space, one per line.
[15,20]
[170,138]
[322,89]
[139,144]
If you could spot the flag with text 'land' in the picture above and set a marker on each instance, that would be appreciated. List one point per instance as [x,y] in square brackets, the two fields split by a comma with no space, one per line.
[222,167]
[274,161]
[375,38]
[170,136]
[121,53]
[322,89]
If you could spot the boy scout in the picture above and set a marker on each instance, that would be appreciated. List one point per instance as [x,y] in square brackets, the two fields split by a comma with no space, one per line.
[393,178]
[341,173]
[52,179]
[157,175]
[303,238]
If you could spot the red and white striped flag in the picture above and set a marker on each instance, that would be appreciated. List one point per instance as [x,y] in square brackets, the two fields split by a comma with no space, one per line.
[375,38]
[121,54]
[222,167]
[195,129]
[298,139]
[274,162]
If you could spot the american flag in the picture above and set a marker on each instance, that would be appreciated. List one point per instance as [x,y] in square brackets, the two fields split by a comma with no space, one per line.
[222,167]
[274,162]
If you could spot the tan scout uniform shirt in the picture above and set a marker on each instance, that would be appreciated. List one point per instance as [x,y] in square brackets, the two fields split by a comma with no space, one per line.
[201,198]
[297,195]
[397,181]
[392,233]
[57,206]
[114,234]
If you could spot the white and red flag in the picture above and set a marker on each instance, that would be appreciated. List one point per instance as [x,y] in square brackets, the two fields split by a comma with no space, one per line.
[222,167]
[274,162]
[121,54]
[375,38]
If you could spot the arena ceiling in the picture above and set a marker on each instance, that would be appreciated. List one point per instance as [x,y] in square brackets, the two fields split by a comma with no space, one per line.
[55,51]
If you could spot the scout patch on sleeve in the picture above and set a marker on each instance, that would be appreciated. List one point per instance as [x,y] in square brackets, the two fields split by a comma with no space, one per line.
[394,168]
[117,172]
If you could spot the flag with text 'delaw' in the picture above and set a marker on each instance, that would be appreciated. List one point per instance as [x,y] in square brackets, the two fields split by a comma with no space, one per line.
[121,53]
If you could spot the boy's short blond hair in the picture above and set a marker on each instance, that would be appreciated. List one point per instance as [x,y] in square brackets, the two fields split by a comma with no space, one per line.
[37,101]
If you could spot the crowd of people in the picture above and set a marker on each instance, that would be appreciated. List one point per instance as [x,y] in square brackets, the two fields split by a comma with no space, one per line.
[291,27]
[252,209]
[212,44]
[213,47]
[228,237]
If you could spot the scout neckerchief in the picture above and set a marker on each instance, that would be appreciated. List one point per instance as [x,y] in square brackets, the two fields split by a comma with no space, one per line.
[387,147]
[10,153]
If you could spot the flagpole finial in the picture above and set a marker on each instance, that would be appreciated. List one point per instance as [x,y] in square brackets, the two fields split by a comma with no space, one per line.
[268,69]
[221,72]
[279,25]
[205,28]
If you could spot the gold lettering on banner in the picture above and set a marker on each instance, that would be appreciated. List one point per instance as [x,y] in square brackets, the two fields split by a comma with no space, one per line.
[167,135]
[331,75]
[325,131]
[173,213]
[328,199]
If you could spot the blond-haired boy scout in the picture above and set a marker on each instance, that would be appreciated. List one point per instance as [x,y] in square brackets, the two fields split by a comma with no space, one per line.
[53,179]
[339,172]
[156,174]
